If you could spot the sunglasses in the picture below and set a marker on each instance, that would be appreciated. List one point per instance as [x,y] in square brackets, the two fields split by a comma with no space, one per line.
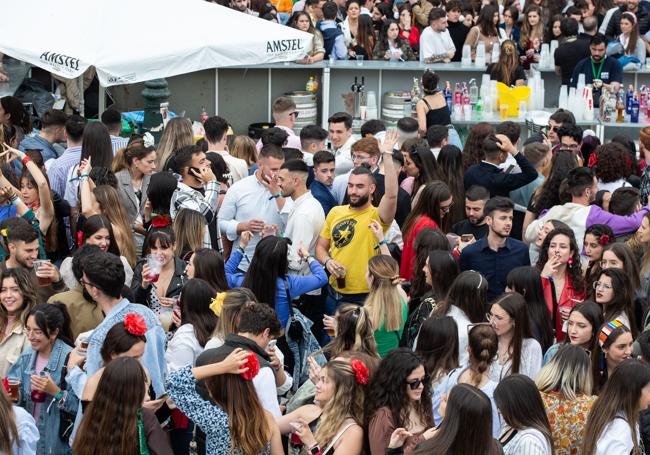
[295,114]
[414,385]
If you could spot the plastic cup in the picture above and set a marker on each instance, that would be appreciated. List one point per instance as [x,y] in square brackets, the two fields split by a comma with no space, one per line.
[359,60]
[14,389]
[503,110]
[155,264]
[42,280]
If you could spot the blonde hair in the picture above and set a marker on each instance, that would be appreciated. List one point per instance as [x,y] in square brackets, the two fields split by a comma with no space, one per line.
[189,226]
[178,133]
[236,300]
[244,147]
[346,403]
[112,207]
[568,373]
[384,302]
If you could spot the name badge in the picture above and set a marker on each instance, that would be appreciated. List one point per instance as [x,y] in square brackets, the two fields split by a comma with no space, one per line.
[604,75]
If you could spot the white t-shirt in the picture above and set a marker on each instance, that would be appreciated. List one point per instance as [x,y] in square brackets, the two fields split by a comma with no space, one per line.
[616,438]
[435,43]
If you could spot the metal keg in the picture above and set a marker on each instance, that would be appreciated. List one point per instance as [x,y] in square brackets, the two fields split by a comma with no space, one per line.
[307,108]
[392,107]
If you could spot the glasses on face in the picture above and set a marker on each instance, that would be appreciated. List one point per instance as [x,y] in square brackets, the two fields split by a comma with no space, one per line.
[360,157]
[601,285]
[86,283]
[493,318]
[446,208]
[570,146]
[415,384]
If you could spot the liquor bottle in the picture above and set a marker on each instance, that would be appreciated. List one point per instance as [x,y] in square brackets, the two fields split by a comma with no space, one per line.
[628,99]
[473,92]
[634,109]
[448,97]
[620,106]
[458,95]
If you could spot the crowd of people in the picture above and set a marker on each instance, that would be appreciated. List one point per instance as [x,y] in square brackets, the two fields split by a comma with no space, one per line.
[322,292]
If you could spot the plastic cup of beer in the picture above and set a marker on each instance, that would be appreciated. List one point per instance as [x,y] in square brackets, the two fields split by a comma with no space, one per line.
[155,264]
[14,389]
[340,279]
[42,280]
[503,110]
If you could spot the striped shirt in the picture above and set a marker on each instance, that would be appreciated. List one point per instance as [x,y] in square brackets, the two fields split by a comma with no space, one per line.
[58,170]
[118,142]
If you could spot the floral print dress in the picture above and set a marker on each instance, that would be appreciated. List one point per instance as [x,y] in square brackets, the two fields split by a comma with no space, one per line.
[568,419]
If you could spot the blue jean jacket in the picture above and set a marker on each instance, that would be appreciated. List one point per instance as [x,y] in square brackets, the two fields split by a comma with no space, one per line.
[48,418]
[302,348]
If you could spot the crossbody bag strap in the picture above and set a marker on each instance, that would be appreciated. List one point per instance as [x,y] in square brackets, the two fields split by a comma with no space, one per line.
[286,290]
[338,436]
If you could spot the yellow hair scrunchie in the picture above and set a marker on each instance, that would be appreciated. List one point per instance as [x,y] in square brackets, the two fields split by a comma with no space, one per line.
[217,303]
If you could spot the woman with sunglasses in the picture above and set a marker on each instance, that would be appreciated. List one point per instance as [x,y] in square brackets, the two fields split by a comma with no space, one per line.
[614,293]
[562,280]
[399,397]
[518,351]
[482,346]
[614,346]
[430,210]
[582,328]
[565,386]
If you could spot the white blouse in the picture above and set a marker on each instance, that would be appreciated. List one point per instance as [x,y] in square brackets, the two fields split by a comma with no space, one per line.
[531,362]
[616,438]
[183,348]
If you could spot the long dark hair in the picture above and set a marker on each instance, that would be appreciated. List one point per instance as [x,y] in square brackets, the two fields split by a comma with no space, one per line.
[548,194]
[599,371]
[485,22]
[575,270]
[383,34]
[444,270]
[630,266]
[388,389]
[622,298]
[195,309]
[466,428]
[249,428]
[428,239]
[420,153]
[365,34]
[209,266]
[96,144]
[93,224]
[526,281]
[521,405]
[118,340]
[110,424]
[593,313]
[52,318]
[514,304]
[620,395]
[473,151]
[428,204]
[468,292]
[19,116]
[161,188]
[438,346]
[593,268]
[268,264]
[450,163]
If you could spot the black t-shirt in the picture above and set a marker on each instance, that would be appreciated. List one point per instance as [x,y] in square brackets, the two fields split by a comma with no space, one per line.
[611,71]
[517,74]
[465,227]
[567,56]
[458,32]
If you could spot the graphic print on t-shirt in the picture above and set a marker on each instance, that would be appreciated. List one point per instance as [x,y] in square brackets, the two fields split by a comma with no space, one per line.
[343,232]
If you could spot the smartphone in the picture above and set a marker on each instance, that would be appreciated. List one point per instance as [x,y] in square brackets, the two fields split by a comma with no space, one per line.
[195,169]
[510,168]
[466,238]
[272,344]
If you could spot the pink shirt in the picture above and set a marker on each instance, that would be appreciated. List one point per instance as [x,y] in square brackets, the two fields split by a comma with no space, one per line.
[293,141]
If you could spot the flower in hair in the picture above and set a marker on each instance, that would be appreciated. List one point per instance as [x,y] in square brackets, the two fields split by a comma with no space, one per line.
[135,325]
[148,140]
[80,238]
[253,366]
[603,239]
[360,371]
[160,221]
[593,160]
[217,303]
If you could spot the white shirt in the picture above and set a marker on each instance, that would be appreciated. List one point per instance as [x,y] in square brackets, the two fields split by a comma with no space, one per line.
[308,158]
[616,438]
[182,349]
[530,442]
[462,321]
[612,186]
[71,282]
[435,43]
[246,200]
[264,384]
[71,186]
[340,186]
[304,223]
[530,364]
[343,156]
[238,167]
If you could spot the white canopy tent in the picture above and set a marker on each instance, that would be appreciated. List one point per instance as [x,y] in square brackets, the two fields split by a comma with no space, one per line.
[129,41]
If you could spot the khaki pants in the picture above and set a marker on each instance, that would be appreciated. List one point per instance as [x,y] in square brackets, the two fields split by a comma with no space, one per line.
[69,89]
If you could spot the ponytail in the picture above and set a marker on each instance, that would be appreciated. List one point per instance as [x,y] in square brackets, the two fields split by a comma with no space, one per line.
[483,345]
[137,148]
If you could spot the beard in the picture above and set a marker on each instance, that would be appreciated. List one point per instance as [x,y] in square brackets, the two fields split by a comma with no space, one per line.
[476,221]
[363,200]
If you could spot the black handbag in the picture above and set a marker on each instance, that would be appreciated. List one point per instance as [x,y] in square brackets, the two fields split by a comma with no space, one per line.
[66,419]
[295,329]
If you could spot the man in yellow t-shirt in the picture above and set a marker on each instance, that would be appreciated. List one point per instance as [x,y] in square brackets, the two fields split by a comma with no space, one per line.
[346,243]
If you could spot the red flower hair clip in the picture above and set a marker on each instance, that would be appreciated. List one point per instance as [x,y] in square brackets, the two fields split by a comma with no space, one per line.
[135,325]
[160,221]
[360,371]
[253,366]
[603,239]
[593,160]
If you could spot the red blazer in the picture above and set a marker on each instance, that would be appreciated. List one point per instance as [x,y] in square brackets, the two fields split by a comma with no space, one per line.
[568,299]
[408,252]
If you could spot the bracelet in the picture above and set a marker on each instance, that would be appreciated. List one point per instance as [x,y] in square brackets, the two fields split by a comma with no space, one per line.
[26,160]
[381,242]
[241,250]
[59,395]
[327,261]
[278,195]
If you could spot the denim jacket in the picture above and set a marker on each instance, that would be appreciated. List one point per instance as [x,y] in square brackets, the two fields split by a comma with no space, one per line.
[302,348]
[49,416]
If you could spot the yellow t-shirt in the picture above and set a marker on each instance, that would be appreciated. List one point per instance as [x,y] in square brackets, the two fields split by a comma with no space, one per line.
[352,244]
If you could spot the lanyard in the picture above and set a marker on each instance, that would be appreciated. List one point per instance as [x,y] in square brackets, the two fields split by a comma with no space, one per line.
[593,68]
